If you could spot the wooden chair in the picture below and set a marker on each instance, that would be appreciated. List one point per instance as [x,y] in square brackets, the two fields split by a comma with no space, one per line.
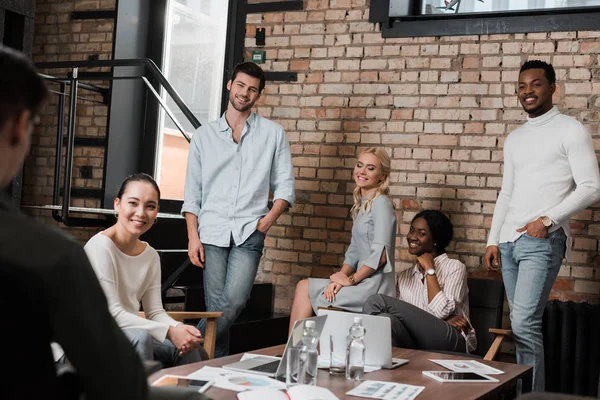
[486,304]
[210,336]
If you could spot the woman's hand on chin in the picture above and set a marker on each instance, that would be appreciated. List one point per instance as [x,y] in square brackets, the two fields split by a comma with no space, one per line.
[425,261]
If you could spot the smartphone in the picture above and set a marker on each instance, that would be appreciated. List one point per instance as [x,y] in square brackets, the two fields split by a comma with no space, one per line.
[453,376]
[174,380]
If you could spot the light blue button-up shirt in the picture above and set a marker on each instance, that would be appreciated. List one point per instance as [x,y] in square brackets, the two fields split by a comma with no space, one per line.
[227,184]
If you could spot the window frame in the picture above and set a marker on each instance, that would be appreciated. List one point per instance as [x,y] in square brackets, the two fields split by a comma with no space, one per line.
[233,55]
[558,20]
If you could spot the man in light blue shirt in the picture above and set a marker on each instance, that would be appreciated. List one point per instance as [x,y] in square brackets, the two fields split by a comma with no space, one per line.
[233,163]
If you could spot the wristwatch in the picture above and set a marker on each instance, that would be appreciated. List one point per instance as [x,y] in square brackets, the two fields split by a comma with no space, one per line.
[430,271]
[547,221]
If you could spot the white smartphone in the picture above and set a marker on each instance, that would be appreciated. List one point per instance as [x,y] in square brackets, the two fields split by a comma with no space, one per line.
[459,377]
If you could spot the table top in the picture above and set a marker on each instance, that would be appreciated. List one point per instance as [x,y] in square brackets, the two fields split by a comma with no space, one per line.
[410,373]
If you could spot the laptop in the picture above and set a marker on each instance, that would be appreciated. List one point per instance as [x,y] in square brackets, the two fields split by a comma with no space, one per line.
[274,367]
[378,337]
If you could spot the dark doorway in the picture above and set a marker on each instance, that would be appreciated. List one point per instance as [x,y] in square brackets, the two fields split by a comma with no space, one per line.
[14,30]
[14,36]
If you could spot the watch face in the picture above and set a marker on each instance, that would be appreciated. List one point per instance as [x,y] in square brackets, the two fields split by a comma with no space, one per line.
[546,221]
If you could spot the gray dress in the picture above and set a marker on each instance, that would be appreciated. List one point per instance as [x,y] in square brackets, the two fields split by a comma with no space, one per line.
[371,233]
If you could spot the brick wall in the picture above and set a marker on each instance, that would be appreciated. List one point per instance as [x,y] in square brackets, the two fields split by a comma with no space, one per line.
[58,38]
[441,107]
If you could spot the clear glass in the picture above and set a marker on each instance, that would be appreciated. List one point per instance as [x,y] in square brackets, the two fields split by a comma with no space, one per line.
[194,63]
[337,355]
[441,7]
[291,368]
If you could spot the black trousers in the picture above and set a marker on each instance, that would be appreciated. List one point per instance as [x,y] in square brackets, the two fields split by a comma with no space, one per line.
[413,328]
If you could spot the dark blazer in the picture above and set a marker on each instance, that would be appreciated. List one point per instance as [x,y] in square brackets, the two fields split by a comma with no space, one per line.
[49,292]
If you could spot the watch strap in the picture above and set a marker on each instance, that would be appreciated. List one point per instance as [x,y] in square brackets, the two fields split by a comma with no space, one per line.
[351,279]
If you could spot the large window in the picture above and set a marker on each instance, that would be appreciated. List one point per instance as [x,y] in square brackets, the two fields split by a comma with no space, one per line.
[194,63]
[414,18]
[441,7]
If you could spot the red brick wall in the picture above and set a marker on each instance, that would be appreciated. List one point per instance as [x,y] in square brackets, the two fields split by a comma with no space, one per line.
[441,107]
[58,38]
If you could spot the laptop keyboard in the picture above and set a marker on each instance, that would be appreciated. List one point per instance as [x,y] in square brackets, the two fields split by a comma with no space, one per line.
[270,367]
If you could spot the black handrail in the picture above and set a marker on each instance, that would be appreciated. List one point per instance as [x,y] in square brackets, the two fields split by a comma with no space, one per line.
[74,83]
[150,66]
[67,81]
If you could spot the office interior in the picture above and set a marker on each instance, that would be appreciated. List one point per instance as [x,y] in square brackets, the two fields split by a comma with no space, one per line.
[433,82]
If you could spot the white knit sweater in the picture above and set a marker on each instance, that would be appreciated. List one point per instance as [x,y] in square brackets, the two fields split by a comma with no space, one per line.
[127,281]
[550,169]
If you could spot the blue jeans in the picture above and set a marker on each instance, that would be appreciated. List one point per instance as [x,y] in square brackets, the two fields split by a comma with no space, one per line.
[149,348]
[529,267]
[229,274]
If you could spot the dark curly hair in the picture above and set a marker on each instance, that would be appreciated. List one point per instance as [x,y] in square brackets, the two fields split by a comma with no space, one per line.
[539,64]
[440,227]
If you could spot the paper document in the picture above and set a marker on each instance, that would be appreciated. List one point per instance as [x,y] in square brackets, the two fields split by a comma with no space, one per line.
[468,366]
[233,380]
[298,392]
[386,390]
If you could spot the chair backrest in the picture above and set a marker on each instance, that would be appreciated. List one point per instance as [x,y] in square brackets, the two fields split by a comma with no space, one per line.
[486,304]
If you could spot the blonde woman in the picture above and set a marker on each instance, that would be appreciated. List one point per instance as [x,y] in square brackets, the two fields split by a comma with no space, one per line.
[369,263]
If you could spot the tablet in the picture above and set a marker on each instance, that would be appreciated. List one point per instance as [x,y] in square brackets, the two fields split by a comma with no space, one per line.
[453,376]
[174,380]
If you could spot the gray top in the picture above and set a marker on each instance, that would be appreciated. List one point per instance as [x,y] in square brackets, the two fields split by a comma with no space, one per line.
[227,184]
[372,232]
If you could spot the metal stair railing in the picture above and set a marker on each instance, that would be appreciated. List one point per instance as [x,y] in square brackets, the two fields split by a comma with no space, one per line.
[60,212]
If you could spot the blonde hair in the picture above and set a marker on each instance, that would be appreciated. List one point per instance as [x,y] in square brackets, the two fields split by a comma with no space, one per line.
[383,189]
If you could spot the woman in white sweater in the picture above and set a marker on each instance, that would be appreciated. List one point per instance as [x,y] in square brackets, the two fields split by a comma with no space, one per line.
[129,273]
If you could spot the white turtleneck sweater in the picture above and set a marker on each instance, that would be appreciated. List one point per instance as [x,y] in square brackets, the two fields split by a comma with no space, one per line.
[550,168]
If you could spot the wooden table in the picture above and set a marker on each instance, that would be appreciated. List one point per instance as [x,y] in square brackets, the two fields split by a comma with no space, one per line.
[410,373]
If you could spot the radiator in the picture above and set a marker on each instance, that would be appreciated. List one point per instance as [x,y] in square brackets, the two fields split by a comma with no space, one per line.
[572,347]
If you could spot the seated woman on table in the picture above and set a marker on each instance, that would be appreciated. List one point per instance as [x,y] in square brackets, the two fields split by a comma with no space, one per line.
[431,311]
[369,264]
[129,272]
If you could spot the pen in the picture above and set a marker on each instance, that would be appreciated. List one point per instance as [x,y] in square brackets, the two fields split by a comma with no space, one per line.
[206,386]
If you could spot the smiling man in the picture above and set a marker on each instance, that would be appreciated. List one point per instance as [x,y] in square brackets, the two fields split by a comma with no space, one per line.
[550,174]
[233,163]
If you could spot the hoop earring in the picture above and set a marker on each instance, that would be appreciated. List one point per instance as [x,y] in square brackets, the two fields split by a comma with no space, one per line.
[116,215]
[155,221]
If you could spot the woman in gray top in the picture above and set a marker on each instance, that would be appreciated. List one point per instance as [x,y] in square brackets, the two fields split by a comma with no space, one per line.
[369,264]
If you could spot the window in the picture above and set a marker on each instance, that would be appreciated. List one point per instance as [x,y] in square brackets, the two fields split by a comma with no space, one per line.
[414,18]
[194,63]
[442,7]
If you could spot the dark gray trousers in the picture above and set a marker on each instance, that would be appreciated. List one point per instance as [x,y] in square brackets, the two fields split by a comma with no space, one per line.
[413,328]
